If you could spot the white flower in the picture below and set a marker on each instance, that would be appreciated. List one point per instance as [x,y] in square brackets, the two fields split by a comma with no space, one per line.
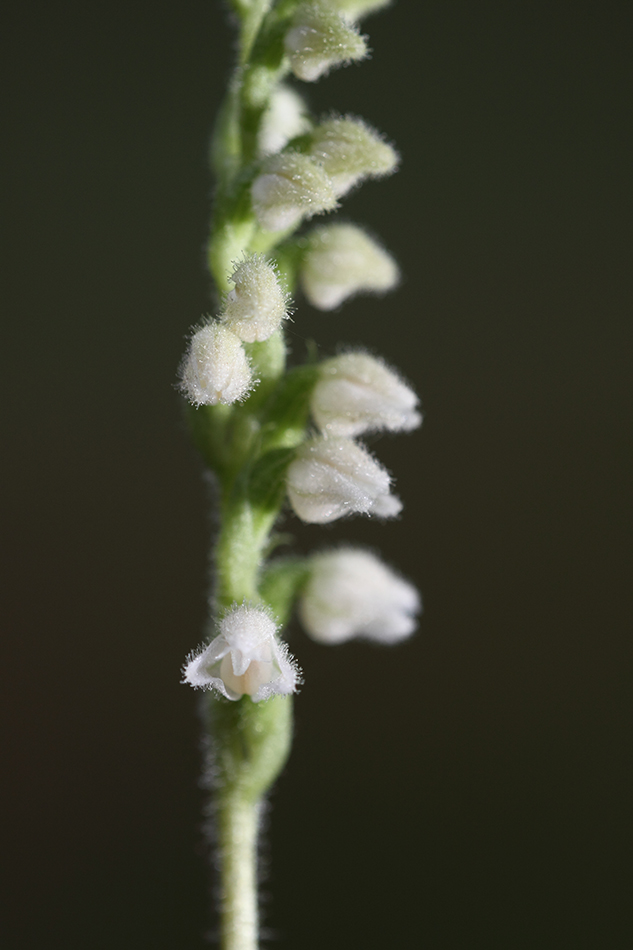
[350,150]
[215,368]
[358,393]
[257,306]
[351,593]
[330,478]
[286,117]
[246,658]
[320,39]
[291,186]
[342,261]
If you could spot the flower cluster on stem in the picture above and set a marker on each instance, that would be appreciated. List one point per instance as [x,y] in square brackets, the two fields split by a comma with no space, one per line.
[280,438]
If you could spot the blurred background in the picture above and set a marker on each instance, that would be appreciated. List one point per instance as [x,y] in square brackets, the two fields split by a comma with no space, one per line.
[472,787]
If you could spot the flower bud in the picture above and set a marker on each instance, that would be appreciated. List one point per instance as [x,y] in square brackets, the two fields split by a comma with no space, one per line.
[358,393]
[330,478]
[320,39]
[342,261]
[285,118]
[290,187]
[245,659]
[257,305]
[351,593]
[350,151]
[215,368]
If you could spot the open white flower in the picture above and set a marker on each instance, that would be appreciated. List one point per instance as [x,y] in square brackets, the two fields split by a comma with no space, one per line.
[257,305]
[287,116]
[341,261]
[320,39]
[351,593]
[350,151]
[358,393]
[330,478]
[245,659]
[291,186]
[215,368]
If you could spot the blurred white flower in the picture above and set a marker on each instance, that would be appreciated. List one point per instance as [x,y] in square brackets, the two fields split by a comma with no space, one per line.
[245,659]
[351,593]
[291,186]
[350,151]
[215,368]
[330,478]
[320,39]
[341,261]
[358,393]
[286,117]
[257,305]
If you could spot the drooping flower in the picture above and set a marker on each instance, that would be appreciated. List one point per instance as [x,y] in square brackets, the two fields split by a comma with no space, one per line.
[350,151]
[320,39]
[290,187]
[246,658]
[215,368]
[258,304]
[352,593]
[358,393]
[342,260]
[286,117]
[331,478]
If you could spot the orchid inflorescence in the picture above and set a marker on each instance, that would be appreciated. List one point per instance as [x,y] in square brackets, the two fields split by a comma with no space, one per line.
[276,436]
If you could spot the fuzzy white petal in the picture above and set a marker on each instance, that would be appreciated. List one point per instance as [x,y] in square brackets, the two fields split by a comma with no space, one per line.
[351,593]
[286,117]
[255,309]
[246,658]
[291,186]
[342,261]
[358,393]
[331,478]
[321,39]
[215,368]
[350,150]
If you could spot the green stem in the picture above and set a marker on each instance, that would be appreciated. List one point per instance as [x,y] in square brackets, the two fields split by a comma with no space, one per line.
[250,745]
[238,826]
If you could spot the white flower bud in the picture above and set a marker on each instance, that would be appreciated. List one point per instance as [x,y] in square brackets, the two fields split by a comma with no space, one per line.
[257,305]
[286,117]
[350,150]
[215,368]
[330,478]
[351,593]
[290,187]
[358,393]
[246,658]
[320,39]
[342,261]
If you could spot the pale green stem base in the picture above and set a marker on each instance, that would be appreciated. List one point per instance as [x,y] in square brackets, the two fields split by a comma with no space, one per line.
[238,826]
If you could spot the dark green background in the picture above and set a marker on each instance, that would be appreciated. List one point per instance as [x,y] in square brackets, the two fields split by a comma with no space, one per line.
[469,789]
